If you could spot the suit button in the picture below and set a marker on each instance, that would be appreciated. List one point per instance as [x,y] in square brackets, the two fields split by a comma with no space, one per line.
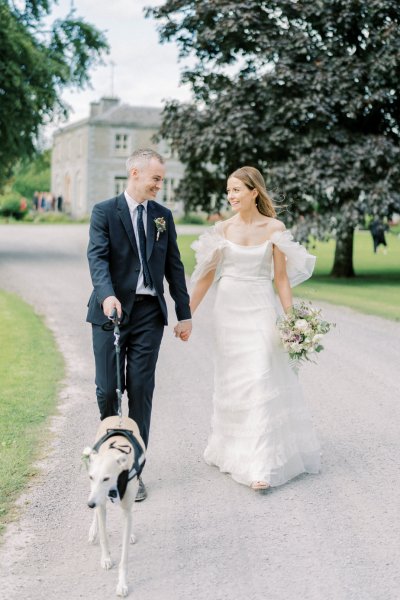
[137,269]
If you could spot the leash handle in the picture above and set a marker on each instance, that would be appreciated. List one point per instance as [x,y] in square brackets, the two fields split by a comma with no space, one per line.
[114,316]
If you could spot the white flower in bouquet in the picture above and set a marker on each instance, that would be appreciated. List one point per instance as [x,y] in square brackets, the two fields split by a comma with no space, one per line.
[295,348]
[301,332]
[317,338]
[301,324]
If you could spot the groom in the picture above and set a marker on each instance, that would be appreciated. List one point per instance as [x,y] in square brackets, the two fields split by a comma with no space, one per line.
[132,247]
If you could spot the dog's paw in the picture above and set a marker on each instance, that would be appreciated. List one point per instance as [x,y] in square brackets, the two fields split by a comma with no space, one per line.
[122,590]
[133,538]
[107,563]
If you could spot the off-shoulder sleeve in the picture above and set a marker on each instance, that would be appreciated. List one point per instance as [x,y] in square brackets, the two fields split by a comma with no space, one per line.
[299,263]
[208,251]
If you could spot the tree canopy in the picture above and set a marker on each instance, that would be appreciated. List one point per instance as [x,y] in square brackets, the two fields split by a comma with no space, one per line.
[305,90]
[38,61]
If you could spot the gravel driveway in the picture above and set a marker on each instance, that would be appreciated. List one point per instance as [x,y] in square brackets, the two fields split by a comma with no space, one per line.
[202,536]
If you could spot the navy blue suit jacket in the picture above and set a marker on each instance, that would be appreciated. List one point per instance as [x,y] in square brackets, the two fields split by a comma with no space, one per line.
[114,259]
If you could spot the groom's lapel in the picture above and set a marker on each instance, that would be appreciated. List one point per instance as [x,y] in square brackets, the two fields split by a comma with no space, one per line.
[151,228]
[125,216]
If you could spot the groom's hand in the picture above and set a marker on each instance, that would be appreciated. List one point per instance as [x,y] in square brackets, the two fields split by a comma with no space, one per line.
[183,330]
[109,304]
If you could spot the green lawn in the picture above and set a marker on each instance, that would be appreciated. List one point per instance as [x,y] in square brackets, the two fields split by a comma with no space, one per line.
[187,254]
[47,218]
[375,290]
[31,368]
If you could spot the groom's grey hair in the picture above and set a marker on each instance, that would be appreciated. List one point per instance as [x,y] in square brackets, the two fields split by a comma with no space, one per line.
[141,157]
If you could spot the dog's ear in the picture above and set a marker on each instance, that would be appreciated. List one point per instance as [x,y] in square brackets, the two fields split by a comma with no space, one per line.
[87,454]
[122,461]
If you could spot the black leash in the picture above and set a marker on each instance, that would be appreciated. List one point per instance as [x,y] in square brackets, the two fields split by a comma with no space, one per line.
[139,455]
[115,320]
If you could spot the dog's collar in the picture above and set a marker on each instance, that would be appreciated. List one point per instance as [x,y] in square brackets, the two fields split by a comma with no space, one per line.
[139,457]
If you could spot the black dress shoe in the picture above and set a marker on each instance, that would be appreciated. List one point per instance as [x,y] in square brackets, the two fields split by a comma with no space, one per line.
[142,492]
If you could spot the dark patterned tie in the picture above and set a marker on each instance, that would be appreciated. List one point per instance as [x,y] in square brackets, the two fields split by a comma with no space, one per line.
[142,246]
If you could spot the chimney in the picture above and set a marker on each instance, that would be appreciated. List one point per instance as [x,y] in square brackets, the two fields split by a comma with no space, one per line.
[94,109]
[107,103]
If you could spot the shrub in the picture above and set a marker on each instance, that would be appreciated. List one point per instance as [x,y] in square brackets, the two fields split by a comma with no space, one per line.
[53,218]
[11,205]
[191,219]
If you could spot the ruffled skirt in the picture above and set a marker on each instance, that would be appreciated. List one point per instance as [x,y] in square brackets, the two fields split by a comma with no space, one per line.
[261,427]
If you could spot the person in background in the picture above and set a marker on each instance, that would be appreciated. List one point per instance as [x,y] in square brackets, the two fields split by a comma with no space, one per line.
[43,202]
[378,229]
[35,201]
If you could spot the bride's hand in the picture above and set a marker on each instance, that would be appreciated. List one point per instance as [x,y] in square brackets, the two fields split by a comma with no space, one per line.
[183,329]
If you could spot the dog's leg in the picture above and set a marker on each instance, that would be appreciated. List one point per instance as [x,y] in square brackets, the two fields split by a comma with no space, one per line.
[106,561]
[122,587]
[94,530]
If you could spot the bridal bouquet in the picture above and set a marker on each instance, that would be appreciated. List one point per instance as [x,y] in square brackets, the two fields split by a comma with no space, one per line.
[301,331]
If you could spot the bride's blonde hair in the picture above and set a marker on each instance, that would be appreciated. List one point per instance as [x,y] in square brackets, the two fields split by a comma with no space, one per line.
[253,180]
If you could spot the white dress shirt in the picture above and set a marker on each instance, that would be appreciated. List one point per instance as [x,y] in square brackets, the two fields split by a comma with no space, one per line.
[132,205]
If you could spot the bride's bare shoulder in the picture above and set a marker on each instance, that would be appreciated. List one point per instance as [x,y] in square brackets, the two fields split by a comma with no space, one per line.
[222,226]
[275,225]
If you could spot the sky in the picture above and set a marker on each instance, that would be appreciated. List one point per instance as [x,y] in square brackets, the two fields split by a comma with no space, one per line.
[145,72]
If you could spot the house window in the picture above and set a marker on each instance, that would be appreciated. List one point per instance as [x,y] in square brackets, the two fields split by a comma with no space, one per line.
[168,191]
[121,142]
[119,185]
[164,191]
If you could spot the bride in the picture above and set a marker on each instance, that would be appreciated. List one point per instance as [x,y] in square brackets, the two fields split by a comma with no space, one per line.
[261,430]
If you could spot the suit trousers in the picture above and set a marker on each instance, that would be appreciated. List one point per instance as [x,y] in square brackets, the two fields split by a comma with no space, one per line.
[140,341]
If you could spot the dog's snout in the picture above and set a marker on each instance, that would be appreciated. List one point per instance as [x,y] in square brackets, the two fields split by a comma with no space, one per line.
[91,504]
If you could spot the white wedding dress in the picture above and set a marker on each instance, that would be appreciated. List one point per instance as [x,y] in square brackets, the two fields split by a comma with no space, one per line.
[261,429]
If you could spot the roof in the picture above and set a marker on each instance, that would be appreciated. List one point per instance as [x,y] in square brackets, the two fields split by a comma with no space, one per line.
[124,114]
[119,115]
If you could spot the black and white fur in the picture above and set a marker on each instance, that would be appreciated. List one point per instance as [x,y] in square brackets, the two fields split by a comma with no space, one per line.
[108,470]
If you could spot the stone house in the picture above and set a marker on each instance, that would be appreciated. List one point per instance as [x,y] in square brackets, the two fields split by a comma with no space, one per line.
[88,157]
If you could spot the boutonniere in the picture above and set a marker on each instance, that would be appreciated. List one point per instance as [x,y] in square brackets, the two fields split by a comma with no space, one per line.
[161,226]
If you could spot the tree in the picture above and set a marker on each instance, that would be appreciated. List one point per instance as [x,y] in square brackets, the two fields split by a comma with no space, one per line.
[38,63]
[31,175]
[306,90]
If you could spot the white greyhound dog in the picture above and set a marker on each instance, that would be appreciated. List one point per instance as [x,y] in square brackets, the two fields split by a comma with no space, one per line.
[113,465]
